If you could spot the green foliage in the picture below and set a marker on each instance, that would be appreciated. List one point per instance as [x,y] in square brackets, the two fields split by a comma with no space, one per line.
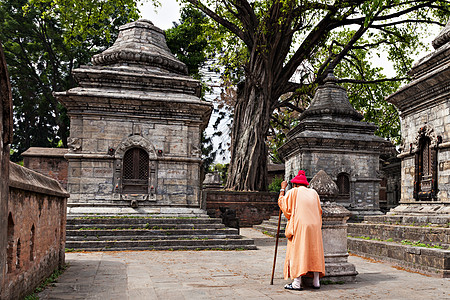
[275,185]
[188,40]
[43,41]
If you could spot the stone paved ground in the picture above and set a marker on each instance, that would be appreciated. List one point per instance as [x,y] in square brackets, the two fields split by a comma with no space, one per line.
[225,275]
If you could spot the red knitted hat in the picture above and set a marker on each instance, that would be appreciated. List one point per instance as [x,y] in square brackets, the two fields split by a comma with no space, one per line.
[300,178]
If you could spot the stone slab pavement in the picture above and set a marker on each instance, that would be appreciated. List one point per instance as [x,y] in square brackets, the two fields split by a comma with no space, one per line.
[245,275]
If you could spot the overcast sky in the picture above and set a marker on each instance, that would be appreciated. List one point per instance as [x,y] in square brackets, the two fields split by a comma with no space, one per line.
[163,16]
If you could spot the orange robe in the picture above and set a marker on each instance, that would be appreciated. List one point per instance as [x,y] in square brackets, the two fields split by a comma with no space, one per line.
[304,253]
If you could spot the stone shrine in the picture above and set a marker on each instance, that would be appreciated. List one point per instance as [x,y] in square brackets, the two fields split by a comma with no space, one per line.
[424,105]
[136,122]
[331,137]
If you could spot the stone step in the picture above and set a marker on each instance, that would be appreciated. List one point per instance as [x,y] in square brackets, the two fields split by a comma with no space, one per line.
[398,233]
[84,226]
[92,233]
[161,244]
[142,220]
[219,247]
[432,261]
[150,233]
[270,226]
[132,237]
[270,230]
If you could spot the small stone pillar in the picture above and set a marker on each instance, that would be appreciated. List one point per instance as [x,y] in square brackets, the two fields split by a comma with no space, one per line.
[334,231]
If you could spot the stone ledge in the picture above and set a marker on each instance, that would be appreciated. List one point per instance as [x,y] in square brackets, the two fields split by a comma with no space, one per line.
[434,262]
[26,179]
[435,235]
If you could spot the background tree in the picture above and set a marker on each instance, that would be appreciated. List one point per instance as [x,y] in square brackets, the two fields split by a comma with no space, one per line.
[43,41]
[268,42]
[190,41]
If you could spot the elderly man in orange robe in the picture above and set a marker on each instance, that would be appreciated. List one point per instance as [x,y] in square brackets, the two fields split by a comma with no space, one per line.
[304,254]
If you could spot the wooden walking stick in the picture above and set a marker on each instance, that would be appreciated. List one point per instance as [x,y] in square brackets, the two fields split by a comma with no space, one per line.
[276,247]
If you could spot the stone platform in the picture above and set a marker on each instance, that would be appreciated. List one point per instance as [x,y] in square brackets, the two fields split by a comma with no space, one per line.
[410,242]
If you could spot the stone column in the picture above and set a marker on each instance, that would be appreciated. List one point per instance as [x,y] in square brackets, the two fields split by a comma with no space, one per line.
[5,140]
[334,231]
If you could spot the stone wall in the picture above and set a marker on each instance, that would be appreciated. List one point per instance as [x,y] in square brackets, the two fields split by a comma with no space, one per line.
[436,117]
[362,169]
[251,207]
[49,162]
[93,175]
[36,223]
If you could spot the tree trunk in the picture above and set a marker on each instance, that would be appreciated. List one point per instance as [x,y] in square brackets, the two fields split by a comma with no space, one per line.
[248,166]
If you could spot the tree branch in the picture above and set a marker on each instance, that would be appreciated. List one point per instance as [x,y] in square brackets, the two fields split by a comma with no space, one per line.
[225,23]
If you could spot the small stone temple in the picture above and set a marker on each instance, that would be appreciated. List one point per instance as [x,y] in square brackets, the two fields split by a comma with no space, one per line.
[424,106]
[135,128]
[332,137]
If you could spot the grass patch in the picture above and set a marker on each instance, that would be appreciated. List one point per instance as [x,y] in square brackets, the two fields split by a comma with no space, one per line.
[403,242]
[419,244]
[48,281]
[327,282]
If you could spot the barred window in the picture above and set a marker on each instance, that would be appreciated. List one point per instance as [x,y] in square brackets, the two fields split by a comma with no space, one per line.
[135,170]
[425,185]
[343,183]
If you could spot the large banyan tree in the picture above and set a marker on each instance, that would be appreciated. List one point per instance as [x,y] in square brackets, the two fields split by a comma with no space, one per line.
[277,39]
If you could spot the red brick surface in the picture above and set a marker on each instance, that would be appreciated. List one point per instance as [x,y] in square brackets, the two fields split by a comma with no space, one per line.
[251,207]
[34,261]
[53,167]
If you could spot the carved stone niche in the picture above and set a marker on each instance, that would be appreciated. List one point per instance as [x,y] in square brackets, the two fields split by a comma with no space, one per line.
[334,230]
[144,187]
[425,149]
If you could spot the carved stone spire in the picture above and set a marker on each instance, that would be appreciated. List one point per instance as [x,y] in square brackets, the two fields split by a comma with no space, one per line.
[331,99]
[140,44]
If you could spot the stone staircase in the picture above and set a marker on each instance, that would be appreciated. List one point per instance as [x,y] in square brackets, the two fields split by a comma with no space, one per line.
[269,227]
[152,232]
[410,242]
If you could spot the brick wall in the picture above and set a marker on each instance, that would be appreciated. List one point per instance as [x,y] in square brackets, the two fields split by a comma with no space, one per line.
[251,207]
[6,124]
[49,162]
[36,222]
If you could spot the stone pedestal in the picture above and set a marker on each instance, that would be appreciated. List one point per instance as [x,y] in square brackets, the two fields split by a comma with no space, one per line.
[334,231]
[334,234]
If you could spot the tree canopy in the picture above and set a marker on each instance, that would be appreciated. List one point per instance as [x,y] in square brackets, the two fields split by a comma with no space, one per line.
[268,44]
[43,41]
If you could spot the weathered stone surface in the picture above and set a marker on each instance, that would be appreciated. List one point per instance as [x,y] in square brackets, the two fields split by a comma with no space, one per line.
[439,236]
[324,185]
[332,138]
[136,96]
[431,261]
